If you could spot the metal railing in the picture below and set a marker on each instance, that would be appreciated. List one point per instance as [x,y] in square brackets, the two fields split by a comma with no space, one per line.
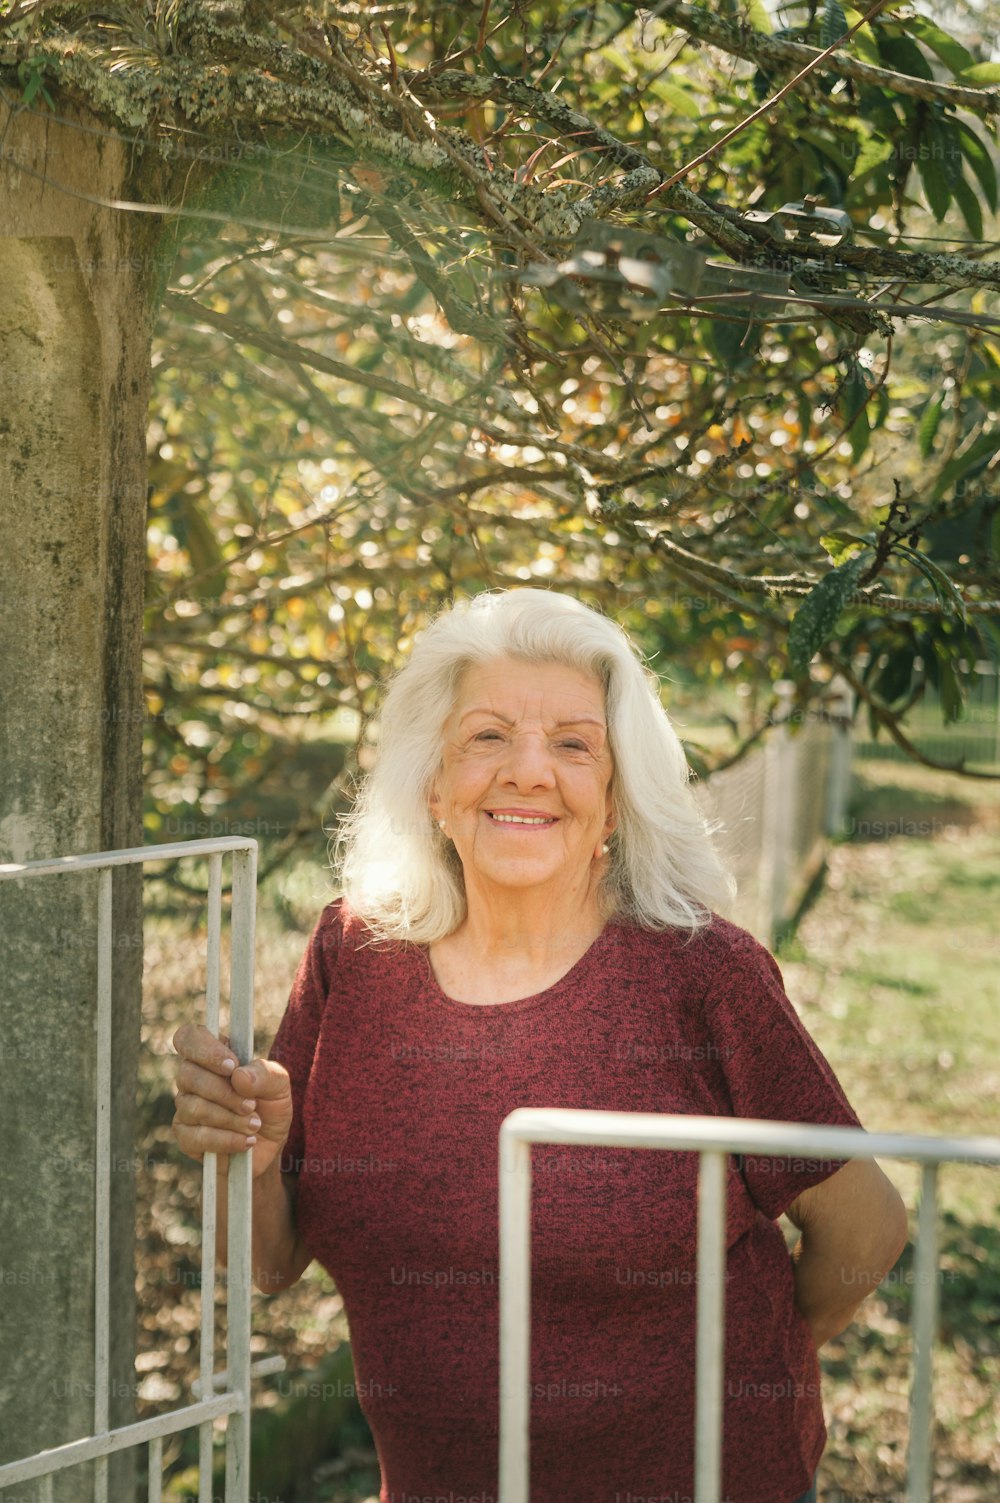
[232,1400]
[713,1138]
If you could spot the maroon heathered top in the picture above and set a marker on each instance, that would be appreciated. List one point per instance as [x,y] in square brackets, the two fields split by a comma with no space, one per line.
[399,1095]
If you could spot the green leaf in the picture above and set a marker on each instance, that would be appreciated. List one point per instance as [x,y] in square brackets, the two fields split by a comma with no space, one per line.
[980,74]
[676,96]
[949,686]
[902,54]
[617,59]
[843,544]
[892,682]
[756,13]
[511,68]
[735,344]
[931,151]
[944,588]
[874,724]
[968,202]
[203,548]
[980,159]
[875,150]
[863,41]
[952,53]
[851,405]
[930,422]
[966,466]
[814,622]
[834,24]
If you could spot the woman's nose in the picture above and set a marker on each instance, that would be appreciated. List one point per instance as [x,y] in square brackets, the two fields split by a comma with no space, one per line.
[528,762]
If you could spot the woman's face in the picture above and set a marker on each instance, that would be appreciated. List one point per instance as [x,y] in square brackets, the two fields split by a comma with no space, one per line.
[524,786]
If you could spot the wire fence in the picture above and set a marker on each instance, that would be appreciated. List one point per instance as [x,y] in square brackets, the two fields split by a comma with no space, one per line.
[776,807]
[974,737]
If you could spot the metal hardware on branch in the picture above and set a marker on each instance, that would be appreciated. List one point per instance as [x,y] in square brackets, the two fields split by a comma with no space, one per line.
[631,273]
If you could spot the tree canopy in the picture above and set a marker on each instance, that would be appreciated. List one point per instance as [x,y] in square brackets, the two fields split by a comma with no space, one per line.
[690,311]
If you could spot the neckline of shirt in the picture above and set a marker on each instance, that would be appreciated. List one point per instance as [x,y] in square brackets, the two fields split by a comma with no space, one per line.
[433,988]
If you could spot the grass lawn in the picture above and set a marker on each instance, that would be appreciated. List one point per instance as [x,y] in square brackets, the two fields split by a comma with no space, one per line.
[896,972]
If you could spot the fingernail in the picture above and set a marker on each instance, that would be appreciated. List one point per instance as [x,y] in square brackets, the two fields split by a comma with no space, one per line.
[253,1121]
[249,1106]
[251,1142]
[229,1064]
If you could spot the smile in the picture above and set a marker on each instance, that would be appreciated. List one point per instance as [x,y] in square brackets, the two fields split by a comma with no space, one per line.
[520,819]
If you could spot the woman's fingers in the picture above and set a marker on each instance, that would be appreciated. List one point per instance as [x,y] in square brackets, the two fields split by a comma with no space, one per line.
[194,1042]
[195,1080]
[222,1106]
[195,1111]
[263,1079]
[198,1140]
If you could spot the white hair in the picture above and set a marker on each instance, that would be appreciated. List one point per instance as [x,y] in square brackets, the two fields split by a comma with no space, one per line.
[400,874]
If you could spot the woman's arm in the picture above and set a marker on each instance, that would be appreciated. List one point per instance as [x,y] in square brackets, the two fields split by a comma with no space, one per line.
[277,1256]
[854,1229]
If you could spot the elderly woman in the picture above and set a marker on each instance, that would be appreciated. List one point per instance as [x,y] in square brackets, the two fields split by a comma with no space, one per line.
[529,918]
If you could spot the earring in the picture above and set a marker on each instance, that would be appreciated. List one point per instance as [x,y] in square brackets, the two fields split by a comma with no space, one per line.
[441,825]
[604,848]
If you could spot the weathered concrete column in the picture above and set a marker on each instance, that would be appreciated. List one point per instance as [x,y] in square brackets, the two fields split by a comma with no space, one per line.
[75,324]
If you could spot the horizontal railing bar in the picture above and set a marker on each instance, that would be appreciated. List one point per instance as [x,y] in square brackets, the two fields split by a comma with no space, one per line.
[262,1368]
[552,1124]
[75,1451]
[128,857]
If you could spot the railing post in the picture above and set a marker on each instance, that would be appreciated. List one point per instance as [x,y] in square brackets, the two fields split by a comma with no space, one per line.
[710,1327]
[102,1186]
[918,1465]
[239,1209]
[209,1186]
[515,1316]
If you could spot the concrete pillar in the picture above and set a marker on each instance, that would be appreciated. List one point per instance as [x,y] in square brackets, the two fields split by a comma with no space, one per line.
[75,325]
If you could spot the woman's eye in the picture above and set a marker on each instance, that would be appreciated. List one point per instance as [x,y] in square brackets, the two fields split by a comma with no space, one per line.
[488,736]
[574,745]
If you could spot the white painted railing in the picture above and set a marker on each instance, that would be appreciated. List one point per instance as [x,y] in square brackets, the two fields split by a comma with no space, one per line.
[219,1394]
[713,1138]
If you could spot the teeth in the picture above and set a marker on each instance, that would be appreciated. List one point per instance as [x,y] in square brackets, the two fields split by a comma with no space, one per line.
[520,819]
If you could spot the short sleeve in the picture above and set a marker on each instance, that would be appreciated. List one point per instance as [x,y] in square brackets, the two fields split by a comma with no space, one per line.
[295,1042]
[774,1070]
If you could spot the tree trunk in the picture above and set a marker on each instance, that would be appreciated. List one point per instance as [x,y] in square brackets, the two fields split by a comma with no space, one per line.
[76,298]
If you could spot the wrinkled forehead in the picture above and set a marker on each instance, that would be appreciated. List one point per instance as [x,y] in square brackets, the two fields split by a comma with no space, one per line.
[516,687]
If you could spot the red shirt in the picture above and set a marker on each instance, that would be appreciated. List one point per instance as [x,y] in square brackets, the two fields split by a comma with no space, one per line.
[399,1095]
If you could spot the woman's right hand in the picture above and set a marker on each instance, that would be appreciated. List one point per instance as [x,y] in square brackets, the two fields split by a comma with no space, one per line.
[228,1111]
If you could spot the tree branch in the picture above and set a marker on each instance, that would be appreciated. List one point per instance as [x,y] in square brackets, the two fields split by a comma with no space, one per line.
[641,175]
[777,55]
